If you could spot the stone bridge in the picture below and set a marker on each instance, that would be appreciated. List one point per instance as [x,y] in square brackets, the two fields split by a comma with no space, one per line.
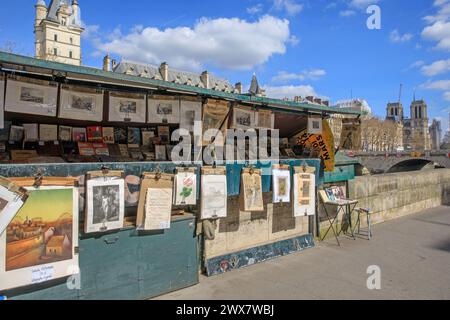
[382,162]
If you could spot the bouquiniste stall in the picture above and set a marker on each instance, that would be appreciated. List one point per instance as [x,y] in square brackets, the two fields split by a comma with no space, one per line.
[102,210]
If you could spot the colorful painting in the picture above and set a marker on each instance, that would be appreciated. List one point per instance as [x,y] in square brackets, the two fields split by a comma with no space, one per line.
[41,232]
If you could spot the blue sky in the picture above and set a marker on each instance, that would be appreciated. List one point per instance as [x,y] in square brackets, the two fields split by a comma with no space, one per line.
[296,47]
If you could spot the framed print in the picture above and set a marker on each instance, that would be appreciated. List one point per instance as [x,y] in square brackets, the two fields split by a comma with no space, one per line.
[281,176]
[185,187]
[304,194]
[65,133]
[190,111]
[243,118]
[12,199]
[163,109]
[214,193]
[108,135]
[31,96]
[16,134]
[160,153]
[79,135]
[251,194]
[39,244]
[2,101]
[127,107]
[94,134]
[81,103]
[265,119]
[31,132]
[105,198]
[315,125]
[48,132]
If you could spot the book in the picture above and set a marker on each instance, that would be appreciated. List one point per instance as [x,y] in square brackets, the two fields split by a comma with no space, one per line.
[86,149]
[16,134]
[65,133]
[123,148]
[4,133]
[160,153]
[120,135]
[22,155]
[79,135]
[108,135]
[94,134]
[164,134]
[147,138]
[48,132]
[101,149]
[31,132]
[114,150]
[134,136]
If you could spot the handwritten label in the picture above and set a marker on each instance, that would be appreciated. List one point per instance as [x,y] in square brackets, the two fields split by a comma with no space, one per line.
[42,274]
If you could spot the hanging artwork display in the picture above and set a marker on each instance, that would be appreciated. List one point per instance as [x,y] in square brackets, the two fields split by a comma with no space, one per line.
[322,143]
[48,132]
[215,114]
[2,101]
[126,106]
[214,193]
[81,103]
[31,96]
[31,131]
[16,133]
[304,191]
[163,109]
[185,187]
[190,111]
[265,119]
[315,125]
[12,198]
[351,134]
[65,133]
[243,118]
[251,194]
[160,153]
[281,176]
[79,135]
[40,243]
[105,201]
[155,202]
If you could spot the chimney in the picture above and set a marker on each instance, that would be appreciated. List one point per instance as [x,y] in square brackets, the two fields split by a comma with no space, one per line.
[113,64]
[318,100]
[107,63]
[205,79]
[310,99]
[238,87]
[326,103]
[164,70]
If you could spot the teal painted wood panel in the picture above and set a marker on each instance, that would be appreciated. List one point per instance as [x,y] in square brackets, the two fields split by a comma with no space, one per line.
[341,173]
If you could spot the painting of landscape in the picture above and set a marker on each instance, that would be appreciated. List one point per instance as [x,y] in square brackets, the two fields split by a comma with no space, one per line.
[41,232]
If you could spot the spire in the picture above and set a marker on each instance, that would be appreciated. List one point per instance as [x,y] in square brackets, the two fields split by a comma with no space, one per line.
[254,87]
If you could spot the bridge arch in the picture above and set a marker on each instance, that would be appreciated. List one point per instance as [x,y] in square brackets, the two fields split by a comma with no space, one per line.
[412,164]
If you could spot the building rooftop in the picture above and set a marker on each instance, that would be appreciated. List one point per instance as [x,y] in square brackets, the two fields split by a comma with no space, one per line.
[56,241]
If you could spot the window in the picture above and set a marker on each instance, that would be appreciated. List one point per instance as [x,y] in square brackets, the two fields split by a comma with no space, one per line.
[71,40]
[56,37]
[420,112]
[396,111]
[55,52]
[70,54]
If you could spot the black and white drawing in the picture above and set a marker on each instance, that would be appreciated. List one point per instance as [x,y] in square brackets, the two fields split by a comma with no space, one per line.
[34,95]
[163,111]
[106,204]
[81,103]
[128,107]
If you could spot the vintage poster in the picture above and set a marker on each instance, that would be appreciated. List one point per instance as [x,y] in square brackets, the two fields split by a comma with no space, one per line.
[315,125]
[266,119]
[79,135]
[134,136]
[304,194]
[351,134]
[147,138]
[322,143]
[244,118]
[31,96]
[108,135]
[214,193]
[127,107]
[105,198]
[163,109]
[190,111]
[31,132]
[65,133]
[215,113]
[48,132]
[252,191]
[12,199]
[164,134]
[185,187]
[94,134]
[158,208]
[160,153]
[39,244]
[2,101]
[86,149]
[16,133]
[81,103]
[281,185]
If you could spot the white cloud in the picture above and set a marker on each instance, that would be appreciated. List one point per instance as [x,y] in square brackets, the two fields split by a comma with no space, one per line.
[362,4]
[347,13]
[255,9]
[313,74]
[447,96]
[331,5]
[396,37]
[224,42]
[440,32]
[290,6]
[436,68]
[90,31]
[443,12]
[290,91]
[442,85]
[417,64]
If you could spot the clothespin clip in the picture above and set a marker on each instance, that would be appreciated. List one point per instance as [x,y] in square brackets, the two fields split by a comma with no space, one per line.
[37,180]
[252,169]
[158,173]
[105,170]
